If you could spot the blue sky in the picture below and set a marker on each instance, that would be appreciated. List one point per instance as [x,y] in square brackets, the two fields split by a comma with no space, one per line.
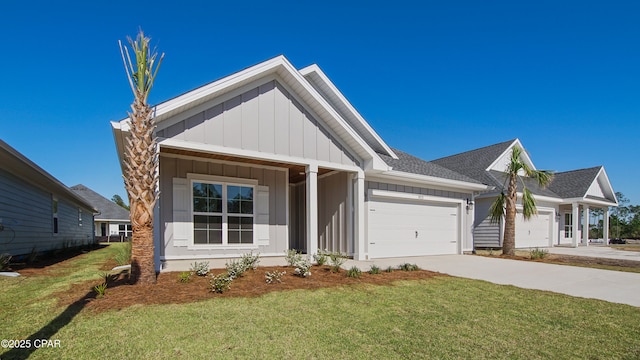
[433,78]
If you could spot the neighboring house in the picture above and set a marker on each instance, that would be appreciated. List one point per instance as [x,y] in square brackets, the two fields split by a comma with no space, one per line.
[563,207]
[112,220]
[38,212]
[274,158]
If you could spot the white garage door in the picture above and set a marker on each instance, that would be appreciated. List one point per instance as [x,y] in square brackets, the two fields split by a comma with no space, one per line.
[406,228]
[533,232]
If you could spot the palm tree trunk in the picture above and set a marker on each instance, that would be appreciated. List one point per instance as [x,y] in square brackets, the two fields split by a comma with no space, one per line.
[509,241]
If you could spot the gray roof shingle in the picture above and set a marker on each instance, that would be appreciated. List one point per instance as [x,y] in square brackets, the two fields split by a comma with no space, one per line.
[107,208]
[411,164]
[575,183]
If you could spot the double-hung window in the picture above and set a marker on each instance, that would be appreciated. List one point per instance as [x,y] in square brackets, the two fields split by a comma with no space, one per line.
[223,213]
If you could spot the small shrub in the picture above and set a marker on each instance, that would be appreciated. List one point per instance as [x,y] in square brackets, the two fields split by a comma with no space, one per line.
[354,272]
[250,261]
[184,276]
[337,260]
[200,268]
[221,282]
[374,270]
[408,267]
[235,268]
[302,267]
[123,256]
[5,259]
[292,257]
[388,269]
[272,277]
[100,290]
[320,258]
[538,253]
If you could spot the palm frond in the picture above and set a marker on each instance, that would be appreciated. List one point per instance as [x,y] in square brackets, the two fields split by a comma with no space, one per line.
[542,177]
[497,208]
[528,204]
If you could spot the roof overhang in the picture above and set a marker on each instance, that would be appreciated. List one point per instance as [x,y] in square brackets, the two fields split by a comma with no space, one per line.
[20,166]
[288,74]
[429,180]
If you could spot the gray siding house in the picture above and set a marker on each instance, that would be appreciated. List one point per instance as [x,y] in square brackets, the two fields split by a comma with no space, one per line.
[38,212]
[111,222]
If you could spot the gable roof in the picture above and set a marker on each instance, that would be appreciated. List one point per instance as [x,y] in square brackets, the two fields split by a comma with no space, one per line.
[20,166]
[411,164]
[284,70]
[108,209]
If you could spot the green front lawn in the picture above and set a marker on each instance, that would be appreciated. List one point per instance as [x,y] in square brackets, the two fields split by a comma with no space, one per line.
[443,317]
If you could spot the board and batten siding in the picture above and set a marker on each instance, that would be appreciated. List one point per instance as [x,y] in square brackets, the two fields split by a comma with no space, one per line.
[27,216]
[265,118]
[275,180]
[485,233]
[333,213]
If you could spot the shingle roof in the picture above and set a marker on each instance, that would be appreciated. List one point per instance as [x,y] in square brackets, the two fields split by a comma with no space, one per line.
[474,163]
[530,183]
[575,183]
[107,208]
[411,164]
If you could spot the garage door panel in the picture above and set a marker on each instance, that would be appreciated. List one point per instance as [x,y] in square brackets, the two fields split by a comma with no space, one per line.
[404,228]
[534,232]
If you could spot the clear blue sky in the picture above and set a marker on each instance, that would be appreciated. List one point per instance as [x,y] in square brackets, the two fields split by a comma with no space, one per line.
[434,78]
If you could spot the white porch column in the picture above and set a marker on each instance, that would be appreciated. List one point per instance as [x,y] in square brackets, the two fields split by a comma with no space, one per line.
[312,209]
[585,225]
[358,218]
[575,219]
[605,226]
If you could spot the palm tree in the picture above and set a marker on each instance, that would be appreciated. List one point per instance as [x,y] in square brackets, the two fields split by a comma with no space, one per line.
[505,204]
[141,157]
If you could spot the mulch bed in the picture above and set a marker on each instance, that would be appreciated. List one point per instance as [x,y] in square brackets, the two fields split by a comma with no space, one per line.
[169,290]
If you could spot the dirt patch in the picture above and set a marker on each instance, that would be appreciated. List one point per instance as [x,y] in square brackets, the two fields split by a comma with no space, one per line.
[169,290]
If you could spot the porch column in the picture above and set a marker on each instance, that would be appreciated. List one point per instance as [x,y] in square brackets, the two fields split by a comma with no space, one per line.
[585,225]
[358,218]
[312,209]
[605,226]
[575,217]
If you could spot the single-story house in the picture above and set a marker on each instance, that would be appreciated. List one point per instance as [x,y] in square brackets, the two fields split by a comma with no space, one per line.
[274,158]
[571,195]
[112,220]
[38,212]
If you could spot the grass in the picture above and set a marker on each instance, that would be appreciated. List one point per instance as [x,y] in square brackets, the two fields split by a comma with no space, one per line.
[444,317]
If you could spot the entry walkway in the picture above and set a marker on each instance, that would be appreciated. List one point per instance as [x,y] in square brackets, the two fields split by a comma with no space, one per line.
[613,286]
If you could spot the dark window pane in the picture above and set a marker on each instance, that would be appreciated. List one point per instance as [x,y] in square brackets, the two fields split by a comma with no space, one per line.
[233,206]
[199,237]
[246,193]
[247,207]
[234,237]
[215,205]
[215,191]
[199,204]
[246,223]
[215,222]
[247,237]
[215,236]
[234,222]
[200,222]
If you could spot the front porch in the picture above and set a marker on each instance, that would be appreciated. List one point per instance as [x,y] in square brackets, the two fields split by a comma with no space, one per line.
[574,223]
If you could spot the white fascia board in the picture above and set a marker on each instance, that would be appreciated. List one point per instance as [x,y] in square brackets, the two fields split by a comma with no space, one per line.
[316,69]
[430,180]
[587,201]
[118,137]
[519,196]
[526,159]
[251,154]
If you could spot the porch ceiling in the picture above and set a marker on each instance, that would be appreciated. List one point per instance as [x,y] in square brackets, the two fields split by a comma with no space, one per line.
[296,172]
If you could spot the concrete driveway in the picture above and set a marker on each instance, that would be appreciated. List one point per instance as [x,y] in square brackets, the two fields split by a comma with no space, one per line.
[613,286]
[597,251]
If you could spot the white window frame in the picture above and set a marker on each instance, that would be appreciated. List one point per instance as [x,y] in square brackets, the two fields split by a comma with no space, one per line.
[568,226]
[225,182]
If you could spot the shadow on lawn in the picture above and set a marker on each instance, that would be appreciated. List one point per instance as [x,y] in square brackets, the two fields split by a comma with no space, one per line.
[62,320]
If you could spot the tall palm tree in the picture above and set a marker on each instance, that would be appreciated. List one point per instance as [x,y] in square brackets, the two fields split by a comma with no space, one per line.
[141,156]
[505,204]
